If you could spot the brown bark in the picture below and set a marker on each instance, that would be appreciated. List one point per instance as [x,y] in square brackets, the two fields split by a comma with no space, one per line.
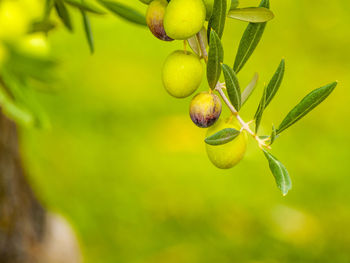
[22,218]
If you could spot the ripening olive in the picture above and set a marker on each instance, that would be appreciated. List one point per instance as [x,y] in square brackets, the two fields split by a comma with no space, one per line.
[209,6]
[155,17]
[182,73]
[205,109]
[184,18]
[227,155]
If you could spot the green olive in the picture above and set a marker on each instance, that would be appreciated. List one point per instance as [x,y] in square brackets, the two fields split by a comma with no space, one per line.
[184,18]
[155,17]
[182,73]
[205,109]
[227,155]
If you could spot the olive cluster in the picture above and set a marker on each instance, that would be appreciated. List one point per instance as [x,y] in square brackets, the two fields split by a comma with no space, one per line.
[183,71]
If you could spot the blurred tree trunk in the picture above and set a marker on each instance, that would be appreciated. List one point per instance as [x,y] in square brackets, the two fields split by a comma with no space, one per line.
[22,218]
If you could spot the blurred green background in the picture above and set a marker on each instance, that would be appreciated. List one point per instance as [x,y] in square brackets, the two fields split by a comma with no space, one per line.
[126,166]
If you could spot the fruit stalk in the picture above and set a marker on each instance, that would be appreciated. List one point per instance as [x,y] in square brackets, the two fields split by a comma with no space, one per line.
[202,47]
[219,86]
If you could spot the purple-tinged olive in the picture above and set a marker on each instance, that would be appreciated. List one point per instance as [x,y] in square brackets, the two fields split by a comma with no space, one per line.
[155,17]
[205,109]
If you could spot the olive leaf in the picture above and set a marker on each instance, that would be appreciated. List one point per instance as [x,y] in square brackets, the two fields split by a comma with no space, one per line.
[24,97]
[194,44]
[14,111]
[124,12]
[273,135]
[222,137]
[308,103]
[274,83]
[234,4]
[280,173]
[42,26]
[252,14]
[232,86]
[27,66]
[85,6]
[260,110]
[218,18]
[215,59]
[88,32]
[248,91]
[49,4]
[63,14]
[250,40]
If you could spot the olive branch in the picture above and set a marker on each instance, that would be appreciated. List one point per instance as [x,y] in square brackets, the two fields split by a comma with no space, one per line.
[16,91]
[234,100]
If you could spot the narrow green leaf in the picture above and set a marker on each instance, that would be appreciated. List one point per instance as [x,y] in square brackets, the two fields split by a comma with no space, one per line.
[34,67]
[218,18]
[85,6]
[252,14]
[260,111]
[234,4]
[274,83]
[273,135]
[215,59]
[248,91]
[222,137]
[88,32]
[125,12]
[13,111]
[42,26]
[24,100]
[307,104]
[280,173]
[49,4]
[250,40]
[232,86]
[63,14]
[194,44]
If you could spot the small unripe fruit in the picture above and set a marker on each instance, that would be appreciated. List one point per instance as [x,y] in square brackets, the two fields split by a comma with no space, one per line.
[155,17]
[227,155]
[182,73]
[205,109]
[209,7]
[147,2]
[184,18]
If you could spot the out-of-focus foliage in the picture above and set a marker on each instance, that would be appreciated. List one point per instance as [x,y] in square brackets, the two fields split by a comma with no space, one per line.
[25,62]
[124,162]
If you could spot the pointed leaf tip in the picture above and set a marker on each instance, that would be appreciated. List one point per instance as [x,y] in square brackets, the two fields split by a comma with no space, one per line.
[280,173]
[307,104]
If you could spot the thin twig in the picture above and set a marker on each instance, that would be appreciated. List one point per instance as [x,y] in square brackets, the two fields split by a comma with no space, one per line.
[219,88]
